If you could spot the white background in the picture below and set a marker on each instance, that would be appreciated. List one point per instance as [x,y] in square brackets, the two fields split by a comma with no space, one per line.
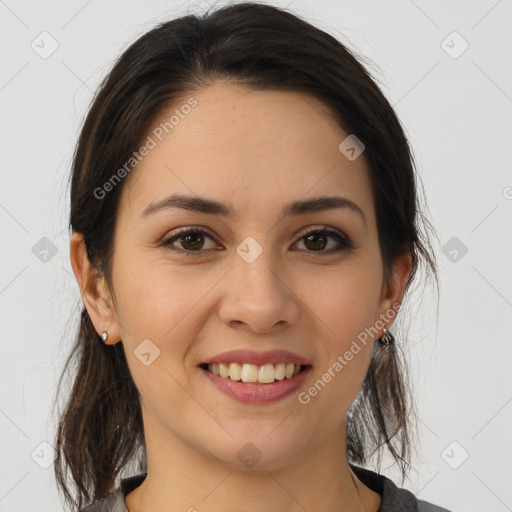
[457,113]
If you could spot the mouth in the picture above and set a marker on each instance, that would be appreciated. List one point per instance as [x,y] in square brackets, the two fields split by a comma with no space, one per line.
[249,373]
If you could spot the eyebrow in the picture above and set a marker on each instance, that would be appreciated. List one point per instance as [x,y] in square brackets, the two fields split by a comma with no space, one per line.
[212,207]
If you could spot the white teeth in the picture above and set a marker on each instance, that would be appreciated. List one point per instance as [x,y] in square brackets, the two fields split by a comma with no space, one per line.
[265,374]
[280,371]
[223,370]
[249,373]
[234,371]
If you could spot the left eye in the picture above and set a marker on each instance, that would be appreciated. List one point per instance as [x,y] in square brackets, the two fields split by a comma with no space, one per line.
[323,235]
[192,241]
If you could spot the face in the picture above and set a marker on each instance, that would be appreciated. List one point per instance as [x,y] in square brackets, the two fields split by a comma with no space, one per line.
[251,281]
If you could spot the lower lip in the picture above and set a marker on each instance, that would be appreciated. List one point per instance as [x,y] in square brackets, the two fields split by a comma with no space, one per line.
[255,393]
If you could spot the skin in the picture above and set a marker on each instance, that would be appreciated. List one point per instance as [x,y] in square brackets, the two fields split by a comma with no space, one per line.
[256,150]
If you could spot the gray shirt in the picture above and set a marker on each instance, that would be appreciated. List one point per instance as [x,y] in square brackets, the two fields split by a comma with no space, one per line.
[394,499]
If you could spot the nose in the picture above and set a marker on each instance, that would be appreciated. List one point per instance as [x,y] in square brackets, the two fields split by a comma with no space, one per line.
[258,297]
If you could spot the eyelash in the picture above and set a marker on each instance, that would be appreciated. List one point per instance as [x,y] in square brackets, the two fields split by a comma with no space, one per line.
[343,240]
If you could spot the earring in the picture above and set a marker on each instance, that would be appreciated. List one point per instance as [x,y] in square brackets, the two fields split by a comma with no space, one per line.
[386,338]
[104,336]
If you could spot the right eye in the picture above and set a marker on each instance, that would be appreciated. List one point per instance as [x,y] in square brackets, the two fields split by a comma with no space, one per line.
[191,240]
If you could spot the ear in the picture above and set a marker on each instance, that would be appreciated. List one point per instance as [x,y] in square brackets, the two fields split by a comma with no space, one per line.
[393,291]
[93,288]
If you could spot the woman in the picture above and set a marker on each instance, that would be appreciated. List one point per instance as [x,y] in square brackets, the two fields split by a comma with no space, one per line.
[244,230]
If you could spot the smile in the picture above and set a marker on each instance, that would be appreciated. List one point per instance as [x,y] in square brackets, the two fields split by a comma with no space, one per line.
[256,392]
[252,373]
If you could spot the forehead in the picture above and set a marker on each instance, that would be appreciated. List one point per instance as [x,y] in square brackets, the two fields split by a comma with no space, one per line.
[254,149]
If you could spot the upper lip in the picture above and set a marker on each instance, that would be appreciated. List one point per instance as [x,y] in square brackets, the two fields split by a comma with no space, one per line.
[258,358]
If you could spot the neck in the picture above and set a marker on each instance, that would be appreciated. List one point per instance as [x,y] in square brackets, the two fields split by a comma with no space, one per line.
[181,478]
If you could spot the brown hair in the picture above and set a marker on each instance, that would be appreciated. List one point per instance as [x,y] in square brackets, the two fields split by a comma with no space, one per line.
[100,432]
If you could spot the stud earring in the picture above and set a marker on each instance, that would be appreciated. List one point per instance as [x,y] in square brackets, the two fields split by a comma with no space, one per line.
[104,336]
[387,338]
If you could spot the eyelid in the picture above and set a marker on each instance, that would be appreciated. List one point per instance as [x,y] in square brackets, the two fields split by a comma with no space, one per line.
[344,241]
[168,240]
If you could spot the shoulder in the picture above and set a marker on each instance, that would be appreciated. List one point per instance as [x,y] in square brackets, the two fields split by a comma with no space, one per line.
[394,499]
[115,501]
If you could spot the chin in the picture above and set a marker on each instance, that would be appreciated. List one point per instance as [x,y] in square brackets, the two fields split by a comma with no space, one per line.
[258,453]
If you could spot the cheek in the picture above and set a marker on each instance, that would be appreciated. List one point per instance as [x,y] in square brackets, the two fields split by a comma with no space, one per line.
[165,303]
[343,314]
[344,301]
[152,294]
[345,304]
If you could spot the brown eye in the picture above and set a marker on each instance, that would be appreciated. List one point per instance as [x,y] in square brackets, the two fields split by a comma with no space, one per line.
[316,240]
[190,240]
